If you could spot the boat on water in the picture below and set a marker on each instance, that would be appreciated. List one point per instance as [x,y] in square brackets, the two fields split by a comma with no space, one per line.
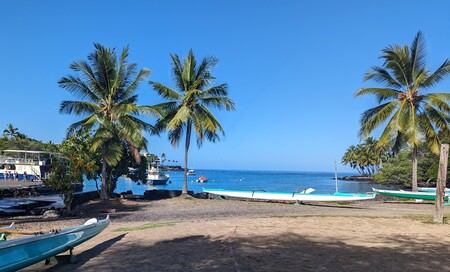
[19,253]
[305,195]
[202,179]
[26,165]
[191,172]
[155,176]
[431,189]
[411,195]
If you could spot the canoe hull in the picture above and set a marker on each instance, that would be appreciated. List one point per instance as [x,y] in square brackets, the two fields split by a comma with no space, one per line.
[22,252]
[410,195]
[289,196]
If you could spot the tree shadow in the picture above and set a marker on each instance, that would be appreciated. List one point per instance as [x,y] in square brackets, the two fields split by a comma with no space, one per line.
[287,252]
[87,255]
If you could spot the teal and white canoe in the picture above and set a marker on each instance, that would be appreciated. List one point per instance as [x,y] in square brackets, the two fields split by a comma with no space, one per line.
[410,194]
[432,189]
[19,253]
[289,196]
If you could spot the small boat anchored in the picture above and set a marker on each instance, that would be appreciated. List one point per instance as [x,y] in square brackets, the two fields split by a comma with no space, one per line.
[19,253]
[155,176]
[202,179]
[191,172]
[305,195]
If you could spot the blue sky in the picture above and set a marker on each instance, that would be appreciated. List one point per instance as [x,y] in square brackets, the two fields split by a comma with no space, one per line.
[292,67]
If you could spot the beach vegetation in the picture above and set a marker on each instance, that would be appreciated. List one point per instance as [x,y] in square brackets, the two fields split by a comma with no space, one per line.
[366,157]
[411,116]
[187,109]
[10,131]
[20,141]
[397,169]
[106,84]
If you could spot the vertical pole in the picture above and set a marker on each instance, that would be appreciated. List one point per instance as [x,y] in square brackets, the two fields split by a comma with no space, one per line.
[335,175]
[440,186]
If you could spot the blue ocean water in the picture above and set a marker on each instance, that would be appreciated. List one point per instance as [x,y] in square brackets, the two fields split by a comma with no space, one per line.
[281,181]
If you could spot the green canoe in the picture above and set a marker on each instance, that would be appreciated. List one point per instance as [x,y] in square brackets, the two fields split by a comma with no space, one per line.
[409,194]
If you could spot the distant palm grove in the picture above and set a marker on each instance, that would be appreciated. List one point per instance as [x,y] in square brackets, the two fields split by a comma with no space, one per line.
[413,122]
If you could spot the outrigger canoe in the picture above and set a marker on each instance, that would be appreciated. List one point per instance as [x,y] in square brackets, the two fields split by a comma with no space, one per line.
[289,196]
[410,194]
[431,189]
[19,253]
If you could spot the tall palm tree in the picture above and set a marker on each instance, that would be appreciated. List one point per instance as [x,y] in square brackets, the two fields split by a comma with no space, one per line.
[187,109]
[106,88]
[10,131]
[411,115]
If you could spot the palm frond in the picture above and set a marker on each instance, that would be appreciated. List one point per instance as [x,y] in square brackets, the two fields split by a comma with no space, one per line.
[219,102]
[382,76]
[373,117]
[380,93]
[442,72]
[78,107]
[165,92]
[418,54]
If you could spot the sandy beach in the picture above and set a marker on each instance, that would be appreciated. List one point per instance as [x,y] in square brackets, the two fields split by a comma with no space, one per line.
[223,235]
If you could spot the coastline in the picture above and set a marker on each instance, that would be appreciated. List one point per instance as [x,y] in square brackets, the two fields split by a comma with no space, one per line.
[181,234]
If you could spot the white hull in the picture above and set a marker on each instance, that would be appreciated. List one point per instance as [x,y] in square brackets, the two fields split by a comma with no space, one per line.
[286,196]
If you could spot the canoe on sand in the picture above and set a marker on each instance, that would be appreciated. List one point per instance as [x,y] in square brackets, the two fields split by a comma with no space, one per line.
[409,194]
[289,196]
[18,253]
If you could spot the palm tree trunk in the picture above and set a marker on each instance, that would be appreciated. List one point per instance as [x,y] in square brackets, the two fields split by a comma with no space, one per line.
[103,192]
[186,150]
[414,169]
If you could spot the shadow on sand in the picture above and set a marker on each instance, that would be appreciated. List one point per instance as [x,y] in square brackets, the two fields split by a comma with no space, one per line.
[289,252]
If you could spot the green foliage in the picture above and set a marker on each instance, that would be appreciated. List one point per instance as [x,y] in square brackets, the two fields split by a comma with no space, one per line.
[13,139]
[409,114]
[366,157]
[75,162]
[398,169]
[188,110]
[106,87]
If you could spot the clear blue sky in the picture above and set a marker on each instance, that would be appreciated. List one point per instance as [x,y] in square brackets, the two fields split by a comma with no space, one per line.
[292,67]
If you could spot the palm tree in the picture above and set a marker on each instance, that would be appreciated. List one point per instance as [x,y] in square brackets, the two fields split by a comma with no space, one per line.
[412,116]
[106,87]
[10,131]
[187,110]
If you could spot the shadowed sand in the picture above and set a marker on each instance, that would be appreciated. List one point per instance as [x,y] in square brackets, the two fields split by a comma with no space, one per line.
[210,235]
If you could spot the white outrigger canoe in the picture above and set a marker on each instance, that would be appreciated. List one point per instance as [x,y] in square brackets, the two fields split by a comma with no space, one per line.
[19,253]
[289,196]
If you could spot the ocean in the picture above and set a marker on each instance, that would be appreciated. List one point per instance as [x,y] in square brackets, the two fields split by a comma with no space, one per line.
[281,181]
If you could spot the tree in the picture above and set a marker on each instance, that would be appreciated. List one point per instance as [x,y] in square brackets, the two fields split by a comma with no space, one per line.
[106,88]
[187,110]
[10,131]
[74,161]
[411,115]
[163,158]
[366,157]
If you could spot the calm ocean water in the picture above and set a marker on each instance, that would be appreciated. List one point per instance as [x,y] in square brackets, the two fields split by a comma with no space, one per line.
[282,181]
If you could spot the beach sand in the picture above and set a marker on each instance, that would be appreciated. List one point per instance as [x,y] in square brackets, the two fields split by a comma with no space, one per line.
[223,235]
